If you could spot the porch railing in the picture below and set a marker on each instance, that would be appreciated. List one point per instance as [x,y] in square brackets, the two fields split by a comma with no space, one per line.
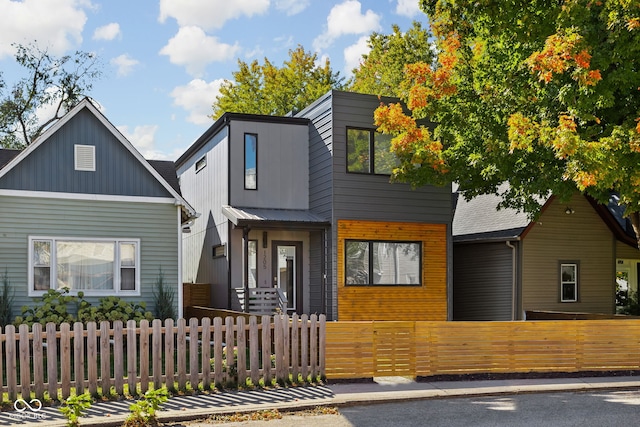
[263,300]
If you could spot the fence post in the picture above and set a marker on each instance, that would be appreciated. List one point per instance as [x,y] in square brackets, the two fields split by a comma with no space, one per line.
[132,356]
[266,350]
[254,348]
[92,358]
[12,386]
[105,358]
[118,357]
[194,366]
[181,352]
[25,369]
[169,354]
[217,351]
[230,341]
[156,353]
[304,346]
[286,347]
[242,351]
[322,337]
[144,356]
[206,353]
[278,339]
[313,348]
[38,361]
[295,347]
[65,359]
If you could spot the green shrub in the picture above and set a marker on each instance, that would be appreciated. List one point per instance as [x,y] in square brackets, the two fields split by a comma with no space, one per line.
[163,298]
[113,308]
[143,412]
[52,307]
[6,301]
[74,407]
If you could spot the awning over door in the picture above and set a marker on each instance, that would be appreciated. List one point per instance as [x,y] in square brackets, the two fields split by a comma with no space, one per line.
[274,218]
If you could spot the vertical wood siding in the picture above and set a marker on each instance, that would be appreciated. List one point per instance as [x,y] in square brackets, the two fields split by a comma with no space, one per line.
[558,237]
[425,302]
[154,224]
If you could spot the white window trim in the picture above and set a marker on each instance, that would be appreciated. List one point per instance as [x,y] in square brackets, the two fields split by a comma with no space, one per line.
[87,292]
[575,282]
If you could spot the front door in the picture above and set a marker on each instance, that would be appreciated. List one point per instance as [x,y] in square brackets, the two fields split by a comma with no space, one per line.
[287,272]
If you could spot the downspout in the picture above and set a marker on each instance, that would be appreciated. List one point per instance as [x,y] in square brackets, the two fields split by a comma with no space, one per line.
[514,302]
[323,272]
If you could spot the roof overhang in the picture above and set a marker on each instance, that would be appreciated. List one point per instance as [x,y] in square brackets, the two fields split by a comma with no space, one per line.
[300,219]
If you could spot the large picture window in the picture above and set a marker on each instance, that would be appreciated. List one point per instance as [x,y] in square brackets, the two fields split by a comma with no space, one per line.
[369,152]
[568,282]
[93,266]
[250,161]
[383,263]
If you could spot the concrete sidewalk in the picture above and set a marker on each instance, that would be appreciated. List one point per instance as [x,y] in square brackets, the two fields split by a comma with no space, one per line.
[185,408]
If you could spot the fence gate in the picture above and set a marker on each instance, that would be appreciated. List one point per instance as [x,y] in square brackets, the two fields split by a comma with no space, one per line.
[394,352]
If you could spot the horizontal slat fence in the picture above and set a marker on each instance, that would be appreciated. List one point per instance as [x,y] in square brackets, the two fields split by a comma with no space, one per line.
[422,349]
[119,359]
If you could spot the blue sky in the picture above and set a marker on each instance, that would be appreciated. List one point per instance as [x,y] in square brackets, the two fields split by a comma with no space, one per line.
[163,60]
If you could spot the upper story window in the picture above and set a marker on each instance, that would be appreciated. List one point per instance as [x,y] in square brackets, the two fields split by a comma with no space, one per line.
[201,163]
[94,266]
[250,161]
[383,263]
[569,282]
[369,152]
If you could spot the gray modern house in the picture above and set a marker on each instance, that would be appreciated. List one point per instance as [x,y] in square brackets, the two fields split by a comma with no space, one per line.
[302,208]
[82,209]
[568,260]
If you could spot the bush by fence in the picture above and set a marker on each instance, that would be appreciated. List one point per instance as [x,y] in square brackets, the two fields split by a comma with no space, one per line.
[126,359]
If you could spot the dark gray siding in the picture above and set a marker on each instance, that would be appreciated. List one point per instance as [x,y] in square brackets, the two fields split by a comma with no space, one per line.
[482,281]
[50,167]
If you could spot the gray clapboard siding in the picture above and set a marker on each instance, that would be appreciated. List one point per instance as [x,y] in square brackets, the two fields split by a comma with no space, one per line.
[482,281]
[155,224]
[50,167]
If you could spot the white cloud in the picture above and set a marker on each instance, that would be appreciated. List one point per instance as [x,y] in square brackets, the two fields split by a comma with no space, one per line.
[193,49]
[58,23]
[408,8]
[346,18]
[209,14]
[353,54]
[197,98]
[124,63]
[107,32]
[256,52]
[292,7]
[143,138]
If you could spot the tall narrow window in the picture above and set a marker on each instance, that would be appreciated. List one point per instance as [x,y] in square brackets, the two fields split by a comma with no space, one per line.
[250,161]
[253,263]
[568,282]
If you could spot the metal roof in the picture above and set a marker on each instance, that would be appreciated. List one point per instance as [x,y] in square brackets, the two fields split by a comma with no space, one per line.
[264,217]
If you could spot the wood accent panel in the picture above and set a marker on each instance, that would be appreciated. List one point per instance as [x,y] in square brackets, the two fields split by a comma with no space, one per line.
[425,302]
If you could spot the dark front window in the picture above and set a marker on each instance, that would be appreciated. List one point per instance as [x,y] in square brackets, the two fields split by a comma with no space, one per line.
[369,152]
[250,161]
[383,263]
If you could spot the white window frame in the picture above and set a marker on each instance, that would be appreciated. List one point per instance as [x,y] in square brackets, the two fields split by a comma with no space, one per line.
[574,282]
[32,292]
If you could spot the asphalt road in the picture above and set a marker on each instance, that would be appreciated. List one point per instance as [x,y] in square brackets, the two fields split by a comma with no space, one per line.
[590,409]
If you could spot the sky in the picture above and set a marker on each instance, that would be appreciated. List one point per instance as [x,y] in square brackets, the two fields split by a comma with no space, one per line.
[163,61]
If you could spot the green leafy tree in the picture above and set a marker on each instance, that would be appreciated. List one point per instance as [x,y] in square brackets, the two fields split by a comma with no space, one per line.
[272,90]
[55,83]
[381,70]
[542,94]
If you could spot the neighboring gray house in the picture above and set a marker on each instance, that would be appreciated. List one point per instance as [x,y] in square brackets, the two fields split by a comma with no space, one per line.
[566,261]
[304,204]
[81,208]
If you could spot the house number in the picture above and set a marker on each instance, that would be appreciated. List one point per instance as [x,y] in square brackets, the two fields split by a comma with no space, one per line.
[264,260]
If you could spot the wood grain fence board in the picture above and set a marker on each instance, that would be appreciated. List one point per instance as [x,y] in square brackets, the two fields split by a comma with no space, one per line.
[156,353]
[230,345]
[217,351]
[144,355]
[92,358]
[65,360]
[286,346]
[304,343]
[241,344]
[52,359]
[169,354]
[25,356]
[118,357]
[38,359]
[12,374]
[105,358]
[194,343]
[278,340]
[132,356]
[313,346]
[181,353]
[206,353]
[295,346]
[322,344]
[254,347]
[266,349]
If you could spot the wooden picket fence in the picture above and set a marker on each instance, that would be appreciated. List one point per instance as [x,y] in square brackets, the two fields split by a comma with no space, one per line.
[128,359]
[424,349]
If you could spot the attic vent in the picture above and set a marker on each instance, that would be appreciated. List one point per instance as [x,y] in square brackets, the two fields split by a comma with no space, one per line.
[85,157]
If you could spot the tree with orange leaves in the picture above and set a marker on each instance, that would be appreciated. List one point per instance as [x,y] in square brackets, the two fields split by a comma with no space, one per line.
[543,94]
